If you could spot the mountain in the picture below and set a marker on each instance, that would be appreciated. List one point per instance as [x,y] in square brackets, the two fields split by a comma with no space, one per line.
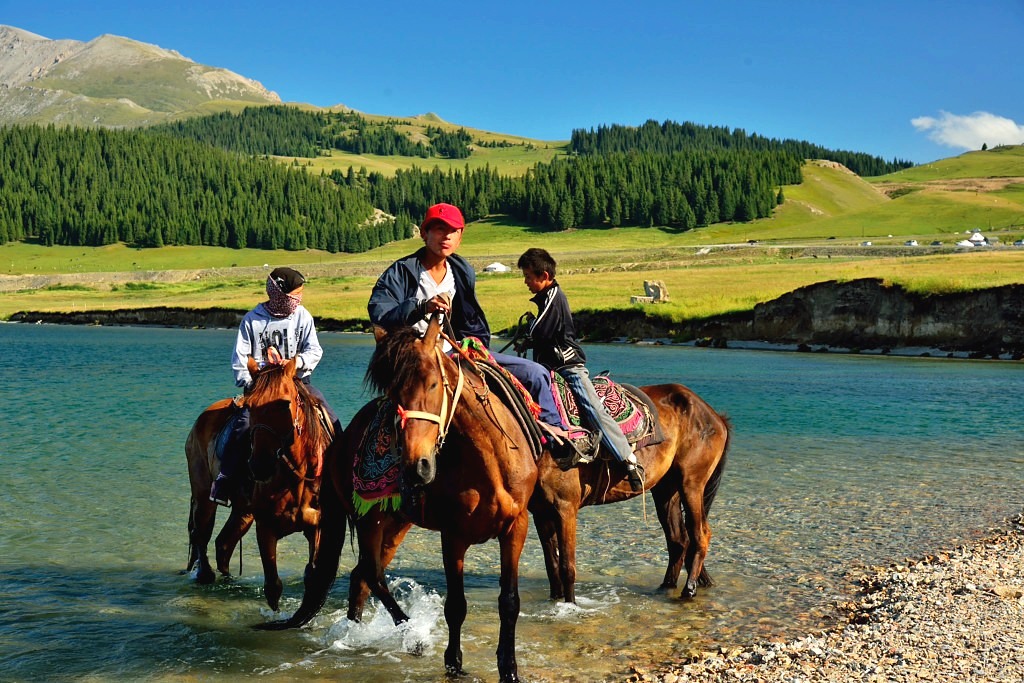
[111,81]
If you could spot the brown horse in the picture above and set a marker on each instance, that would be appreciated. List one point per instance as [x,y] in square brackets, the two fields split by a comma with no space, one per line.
[468,472]
[288,440]
[682,472]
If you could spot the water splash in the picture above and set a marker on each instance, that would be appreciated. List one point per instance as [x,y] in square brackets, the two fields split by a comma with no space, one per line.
[377,634]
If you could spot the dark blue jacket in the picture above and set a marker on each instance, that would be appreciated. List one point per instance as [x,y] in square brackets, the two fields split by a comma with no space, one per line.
[552,332]
[393,300]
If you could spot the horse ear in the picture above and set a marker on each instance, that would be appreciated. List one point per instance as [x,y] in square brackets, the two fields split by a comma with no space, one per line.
[291,367]
[433,329]
[252,366]
[379,333]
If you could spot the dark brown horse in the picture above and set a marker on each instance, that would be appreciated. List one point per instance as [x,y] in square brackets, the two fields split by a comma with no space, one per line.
[469,473]
[682,472]
[288,440]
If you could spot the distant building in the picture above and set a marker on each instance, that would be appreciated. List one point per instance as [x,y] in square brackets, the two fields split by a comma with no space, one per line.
[497,268]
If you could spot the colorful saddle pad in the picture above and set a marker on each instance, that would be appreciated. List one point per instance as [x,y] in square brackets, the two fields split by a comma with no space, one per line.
[376,472]
[630,409]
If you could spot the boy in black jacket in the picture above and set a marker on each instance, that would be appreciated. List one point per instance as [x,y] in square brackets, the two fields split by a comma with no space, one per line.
[553,339]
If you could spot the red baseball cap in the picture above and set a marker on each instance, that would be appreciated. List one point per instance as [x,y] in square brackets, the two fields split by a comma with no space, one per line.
[445,213]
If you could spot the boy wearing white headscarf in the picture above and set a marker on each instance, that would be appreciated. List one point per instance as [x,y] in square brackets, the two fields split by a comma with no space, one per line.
[275,331]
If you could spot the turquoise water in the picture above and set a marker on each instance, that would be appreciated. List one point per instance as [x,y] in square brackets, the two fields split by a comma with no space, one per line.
[837,463]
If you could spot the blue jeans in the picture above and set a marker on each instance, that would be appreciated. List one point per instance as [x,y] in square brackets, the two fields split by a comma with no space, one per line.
[537,380]
[592,412]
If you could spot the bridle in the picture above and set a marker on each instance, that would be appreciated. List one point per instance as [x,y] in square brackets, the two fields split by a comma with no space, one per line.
[444,418]
[283,452]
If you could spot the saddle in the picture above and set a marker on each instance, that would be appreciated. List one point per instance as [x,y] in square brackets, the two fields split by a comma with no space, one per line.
[220,442]
[631,409]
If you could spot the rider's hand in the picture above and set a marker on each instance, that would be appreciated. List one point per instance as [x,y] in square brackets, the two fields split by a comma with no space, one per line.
[438,303]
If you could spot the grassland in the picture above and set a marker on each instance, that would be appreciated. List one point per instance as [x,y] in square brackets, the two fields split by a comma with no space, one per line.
[515,157]
[815,236]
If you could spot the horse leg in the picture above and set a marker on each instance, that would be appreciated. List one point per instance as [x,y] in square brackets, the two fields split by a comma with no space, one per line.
[236,527]
[272,587]
[454,553]
[508,599]
[670,514]
[201,516]
[379,538]
[547,533]
[358,592]
[698,538]
[567,550]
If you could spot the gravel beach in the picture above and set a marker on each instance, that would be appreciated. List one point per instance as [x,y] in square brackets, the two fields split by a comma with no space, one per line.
[955,615]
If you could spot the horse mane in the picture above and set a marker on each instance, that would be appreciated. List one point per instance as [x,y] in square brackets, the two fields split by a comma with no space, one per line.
[395,361]
[267,382]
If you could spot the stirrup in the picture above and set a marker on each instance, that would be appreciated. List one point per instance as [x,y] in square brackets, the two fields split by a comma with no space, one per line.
[219,493]
[635,474]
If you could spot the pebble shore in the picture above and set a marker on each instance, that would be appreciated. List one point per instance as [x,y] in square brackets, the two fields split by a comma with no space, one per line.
[952,616]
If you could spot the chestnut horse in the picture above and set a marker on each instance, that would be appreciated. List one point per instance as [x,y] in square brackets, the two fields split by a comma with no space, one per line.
[280,488]
[682,473]
[468,472]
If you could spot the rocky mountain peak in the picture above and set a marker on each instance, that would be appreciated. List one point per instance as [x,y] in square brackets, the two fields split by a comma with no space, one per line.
[110,81]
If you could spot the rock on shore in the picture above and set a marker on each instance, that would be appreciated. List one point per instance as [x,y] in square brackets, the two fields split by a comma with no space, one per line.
[953,616]
[855,315]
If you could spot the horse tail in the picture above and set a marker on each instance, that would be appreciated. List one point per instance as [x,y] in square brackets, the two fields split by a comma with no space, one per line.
[321,573]
[711,490]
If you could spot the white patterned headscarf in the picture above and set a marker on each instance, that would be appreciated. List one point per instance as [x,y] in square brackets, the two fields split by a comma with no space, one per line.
[280,303]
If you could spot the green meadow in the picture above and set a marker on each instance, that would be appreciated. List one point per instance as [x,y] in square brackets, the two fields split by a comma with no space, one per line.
[816,235]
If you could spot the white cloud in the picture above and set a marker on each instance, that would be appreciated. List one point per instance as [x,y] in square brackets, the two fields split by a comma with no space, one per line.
[971,131]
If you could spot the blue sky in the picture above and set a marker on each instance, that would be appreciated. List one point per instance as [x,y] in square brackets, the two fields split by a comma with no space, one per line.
[909,79]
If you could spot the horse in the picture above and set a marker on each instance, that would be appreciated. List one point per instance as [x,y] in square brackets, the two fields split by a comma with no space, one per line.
[288,439]
[682,472]
[468,470]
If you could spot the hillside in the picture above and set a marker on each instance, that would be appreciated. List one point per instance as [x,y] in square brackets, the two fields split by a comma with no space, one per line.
[111,81]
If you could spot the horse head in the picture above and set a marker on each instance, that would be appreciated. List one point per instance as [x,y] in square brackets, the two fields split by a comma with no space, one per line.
[275,408]
[418,378]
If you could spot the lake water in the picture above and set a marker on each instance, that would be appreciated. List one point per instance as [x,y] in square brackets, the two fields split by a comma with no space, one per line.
[837,463]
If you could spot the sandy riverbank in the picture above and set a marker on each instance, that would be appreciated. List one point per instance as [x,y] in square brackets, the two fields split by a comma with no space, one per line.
[955,615]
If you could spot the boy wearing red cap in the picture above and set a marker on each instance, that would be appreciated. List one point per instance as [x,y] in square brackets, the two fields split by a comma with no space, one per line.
[435,278]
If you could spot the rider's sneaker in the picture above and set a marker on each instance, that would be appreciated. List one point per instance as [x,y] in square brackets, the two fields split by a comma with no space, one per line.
[220,491]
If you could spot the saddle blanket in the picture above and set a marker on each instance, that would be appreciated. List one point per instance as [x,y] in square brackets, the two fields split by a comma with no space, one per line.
[629,409]
[376,471]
